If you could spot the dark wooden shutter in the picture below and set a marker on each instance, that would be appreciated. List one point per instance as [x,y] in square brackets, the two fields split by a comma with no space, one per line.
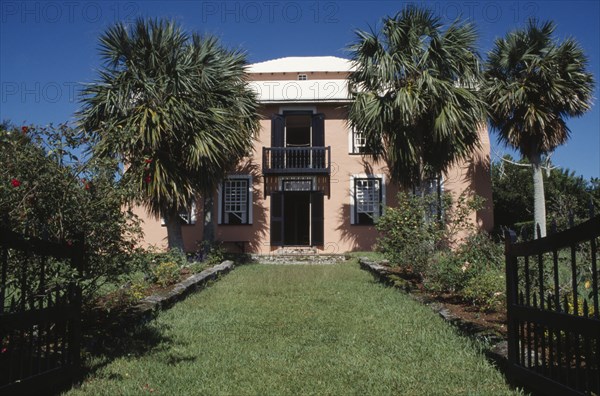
[277,140]
[277,219]
[277,130]
[318,140]
[316,218]
[318,130]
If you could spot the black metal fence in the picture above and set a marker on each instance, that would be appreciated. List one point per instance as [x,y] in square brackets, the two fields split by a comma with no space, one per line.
[40,313]
[553,312]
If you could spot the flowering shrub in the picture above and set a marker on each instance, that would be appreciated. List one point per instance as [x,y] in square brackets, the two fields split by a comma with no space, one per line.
[126,296]
[165,273]
[487,290]
[411,233]
[47,190]
[474,271]
[412,237]
[407,237]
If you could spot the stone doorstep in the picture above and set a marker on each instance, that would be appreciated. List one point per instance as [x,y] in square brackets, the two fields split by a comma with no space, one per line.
[288,259]
[497,352]
[296,250]
[162,300]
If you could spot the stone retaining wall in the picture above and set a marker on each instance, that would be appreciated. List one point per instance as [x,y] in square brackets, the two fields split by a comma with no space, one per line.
[148,306]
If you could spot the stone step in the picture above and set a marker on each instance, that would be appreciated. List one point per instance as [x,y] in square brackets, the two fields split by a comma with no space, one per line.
[280,258]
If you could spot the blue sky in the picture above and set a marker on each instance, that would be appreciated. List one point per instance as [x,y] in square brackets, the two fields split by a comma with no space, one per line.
[49,48]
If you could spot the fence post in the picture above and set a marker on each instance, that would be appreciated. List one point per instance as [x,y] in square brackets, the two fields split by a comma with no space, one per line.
[511,299]
[78,262]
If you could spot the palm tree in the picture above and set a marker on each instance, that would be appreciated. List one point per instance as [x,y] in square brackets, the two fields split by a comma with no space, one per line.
[415,93]
[532,84]
[174,108]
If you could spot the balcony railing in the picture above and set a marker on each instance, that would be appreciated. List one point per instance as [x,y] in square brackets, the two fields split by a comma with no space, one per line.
[315,160]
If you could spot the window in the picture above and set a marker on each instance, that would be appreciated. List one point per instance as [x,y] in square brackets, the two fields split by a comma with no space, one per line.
[302,77]
[367,199]
[188,216]
[358,142]
[432,186]
[235,200]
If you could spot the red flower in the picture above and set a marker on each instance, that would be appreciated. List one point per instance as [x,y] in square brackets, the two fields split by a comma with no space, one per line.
[148,160]
[147,179]
[24,129]
[15,182]
[87,186]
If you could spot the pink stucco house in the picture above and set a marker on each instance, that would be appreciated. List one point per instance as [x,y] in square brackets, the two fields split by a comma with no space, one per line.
[307,182]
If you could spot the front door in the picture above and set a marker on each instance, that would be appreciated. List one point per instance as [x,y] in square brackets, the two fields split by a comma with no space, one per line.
[297,218]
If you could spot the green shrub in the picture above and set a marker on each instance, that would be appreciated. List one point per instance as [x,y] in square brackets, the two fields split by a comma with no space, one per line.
[445,274]
[407,237]
[166,273]
[198,266]
[482,252]
[47,191]
[125,296]
[453,270]
[487,290]
[210,253]
[411,233]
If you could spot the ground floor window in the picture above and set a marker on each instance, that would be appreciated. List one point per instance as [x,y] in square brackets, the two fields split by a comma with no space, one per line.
[187,215]
[235,200]
[367,198]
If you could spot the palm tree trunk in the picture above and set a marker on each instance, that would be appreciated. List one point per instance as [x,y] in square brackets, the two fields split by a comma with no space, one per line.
[174,235]
[539,200]
[209,228]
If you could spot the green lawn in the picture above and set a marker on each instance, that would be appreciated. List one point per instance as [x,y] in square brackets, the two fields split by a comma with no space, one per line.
[290,330]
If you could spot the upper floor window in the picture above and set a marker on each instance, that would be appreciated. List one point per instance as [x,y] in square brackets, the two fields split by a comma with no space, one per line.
[358,142]
[235,200]
[367,199]
[302,77]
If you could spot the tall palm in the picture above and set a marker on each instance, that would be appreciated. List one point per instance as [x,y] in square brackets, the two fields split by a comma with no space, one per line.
[174,108]
[415,93]
[532,84]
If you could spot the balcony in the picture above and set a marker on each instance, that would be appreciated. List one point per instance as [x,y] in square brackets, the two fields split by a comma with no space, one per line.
[296,160]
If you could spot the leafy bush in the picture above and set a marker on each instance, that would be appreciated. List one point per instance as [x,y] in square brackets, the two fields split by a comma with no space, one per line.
[487,290]
[446,273]
[411,233]
[421,245]
[47,191]
[210,253]
[407,236]
[453,270]
[166,273]
[126,296]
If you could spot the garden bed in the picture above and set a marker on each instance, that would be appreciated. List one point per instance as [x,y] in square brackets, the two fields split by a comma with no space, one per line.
[487,326]
[102,326]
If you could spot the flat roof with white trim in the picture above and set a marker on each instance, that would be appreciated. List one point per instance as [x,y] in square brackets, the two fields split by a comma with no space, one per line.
[300,64]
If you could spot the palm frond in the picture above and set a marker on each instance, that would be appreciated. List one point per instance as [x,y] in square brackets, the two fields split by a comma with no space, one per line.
[416,92]
[174,107]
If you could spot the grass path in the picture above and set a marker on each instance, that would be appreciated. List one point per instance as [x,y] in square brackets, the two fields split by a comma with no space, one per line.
[288,330]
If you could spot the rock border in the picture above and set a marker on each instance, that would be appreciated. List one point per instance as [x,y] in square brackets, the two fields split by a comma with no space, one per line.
[497,351]
[149,306]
